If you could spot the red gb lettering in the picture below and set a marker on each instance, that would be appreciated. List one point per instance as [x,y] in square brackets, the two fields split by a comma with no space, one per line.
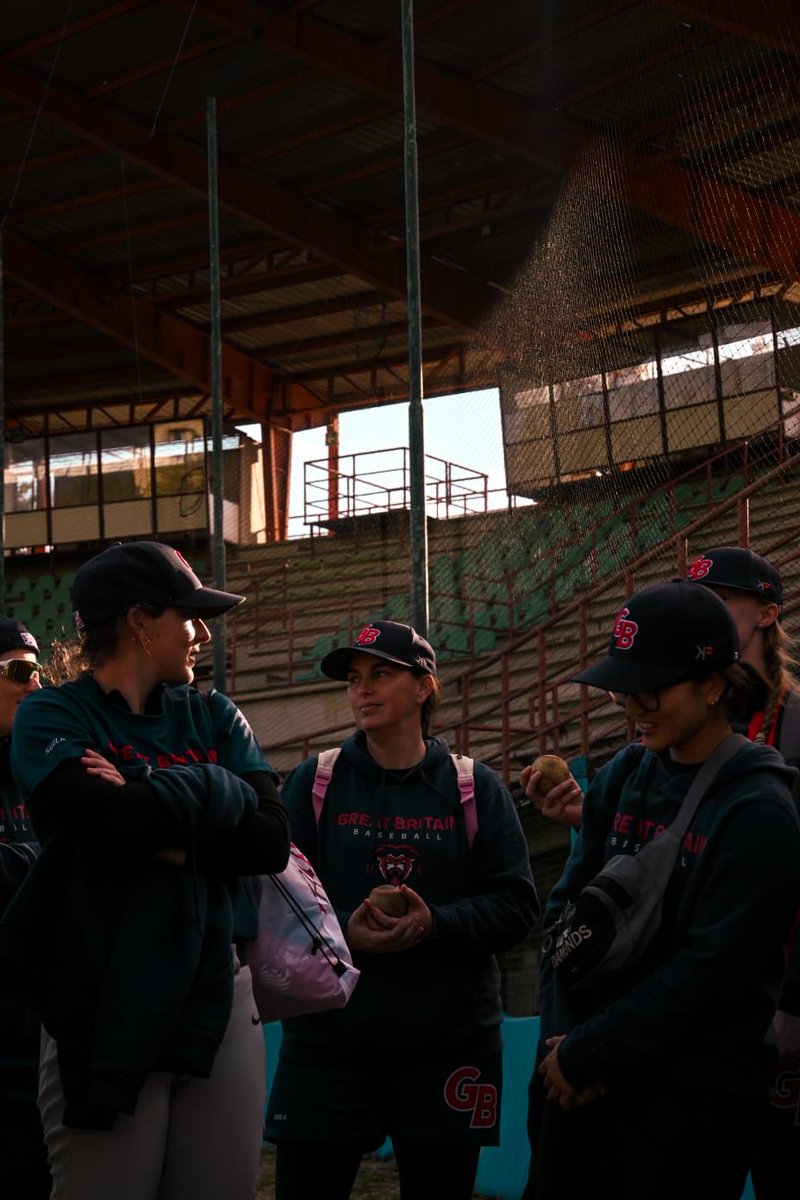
[368,635]
[624,631]
[700,568]
[463,1093]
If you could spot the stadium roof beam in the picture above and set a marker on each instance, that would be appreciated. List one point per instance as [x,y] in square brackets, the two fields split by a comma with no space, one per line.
[184,264]
[516,126]
[301,312]
[450,294]
[72,29]
[307,345]
[773,24]
[528,49]
[238,284]
[171,343]
[479,112]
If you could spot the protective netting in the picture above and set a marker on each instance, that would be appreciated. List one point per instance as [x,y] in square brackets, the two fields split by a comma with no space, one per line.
[649,401]
[650,409]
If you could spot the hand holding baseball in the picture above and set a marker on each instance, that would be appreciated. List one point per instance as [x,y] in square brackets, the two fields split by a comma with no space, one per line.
[549,783]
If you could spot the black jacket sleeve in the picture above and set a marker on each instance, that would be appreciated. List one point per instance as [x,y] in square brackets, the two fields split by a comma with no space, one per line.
[137,817]
[259,844]
[16,859]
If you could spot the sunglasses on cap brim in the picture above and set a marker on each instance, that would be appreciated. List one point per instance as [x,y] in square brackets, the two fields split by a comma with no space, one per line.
[19,670]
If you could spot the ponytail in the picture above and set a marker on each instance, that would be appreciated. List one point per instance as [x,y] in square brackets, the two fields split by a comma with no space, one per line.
[778,665]
[746,693]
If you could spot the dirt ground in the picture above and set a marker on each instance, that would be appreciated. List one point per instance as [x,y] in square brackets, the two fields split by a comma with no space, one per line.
[377,1179]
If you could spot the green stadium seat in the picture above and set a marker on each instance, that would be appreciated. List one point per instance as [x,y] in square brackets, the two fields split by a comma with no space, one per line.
[455,642]
[397,608]
[45,584]
[18,587]
[484,641]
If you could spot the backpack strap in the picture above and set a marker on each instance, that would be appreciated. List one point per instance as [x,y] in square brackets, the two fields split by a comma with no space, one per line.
[326,761]
[466,786]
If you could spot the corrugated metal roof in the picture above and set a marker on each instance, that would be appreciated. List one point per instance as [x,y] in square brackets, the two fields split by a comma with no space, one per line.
[312,197]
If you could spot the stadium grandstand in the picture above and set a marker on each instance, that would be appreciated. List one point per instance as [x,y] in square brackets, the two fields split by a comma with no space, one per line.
[609,228]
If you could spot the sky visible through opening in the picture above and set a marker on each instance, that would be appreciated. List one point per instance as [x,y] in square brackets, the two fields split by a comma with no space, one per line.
[464,429]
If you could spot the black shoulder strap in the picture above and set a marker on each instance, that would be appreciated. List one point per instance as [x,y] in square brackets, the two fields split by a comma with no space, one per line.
[702,781]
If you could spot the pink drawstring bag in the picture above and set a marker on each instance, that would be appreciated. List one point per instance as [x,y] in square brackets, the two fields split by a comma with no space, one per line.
[299,959]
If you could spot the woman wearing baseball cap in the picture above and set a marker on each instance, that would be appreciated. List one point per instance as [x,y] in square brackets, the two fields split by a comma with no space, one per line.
[658,1077]
[151,801]
[416,1053]
[752,588]
[23,1160]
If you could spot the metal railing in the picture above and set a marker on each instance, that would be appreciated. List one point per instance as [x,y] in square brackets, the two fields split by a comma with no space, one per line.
[549,716]
[548,719]
[376,481]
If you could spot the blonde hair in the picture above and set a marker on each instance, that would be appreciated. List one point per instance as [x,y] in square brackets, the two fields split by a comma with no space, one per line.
[65,661]
[778,663]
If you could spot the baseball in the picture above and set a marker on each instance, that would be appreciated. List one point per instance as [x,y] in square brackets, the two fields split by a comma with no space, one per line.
[554,771]
[389,899]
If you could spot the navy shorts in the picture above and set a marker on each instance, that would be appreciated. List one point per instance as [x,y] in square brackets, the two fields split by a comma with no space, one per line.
[448,1098]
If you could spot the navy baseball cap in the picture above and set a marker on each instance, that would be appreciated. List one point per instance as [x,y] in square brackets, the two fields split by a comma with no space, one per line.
[14,636]
[131,573]
[664,634]
[396,643]
[743,570]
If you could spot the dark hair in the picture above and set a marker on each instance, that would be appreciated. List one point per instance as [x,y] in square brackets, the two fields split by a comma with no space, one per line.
[432,699]
[746,691]
[99,644]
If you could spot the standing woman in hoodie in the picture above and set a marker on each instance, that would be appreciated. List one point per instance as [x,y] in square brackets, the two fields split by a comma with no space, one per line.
[24,1172]
[658,1075]
[151,801]
[416,1053]
[752,588]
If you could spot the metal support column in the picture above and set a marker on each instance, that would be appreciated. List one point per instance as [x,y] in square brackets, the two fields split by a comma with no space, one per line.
[217,480]
[416,438]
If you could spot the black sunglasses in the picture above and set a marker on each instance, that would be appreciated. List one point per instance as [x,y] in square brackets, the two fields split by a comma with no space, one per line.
[19,670]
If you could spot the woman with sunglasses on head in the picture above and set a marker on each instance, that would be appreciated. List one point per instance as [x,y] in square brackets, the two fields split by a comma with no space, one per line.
[151,801]
[752,588]
[416,1054]
[657,1075]
[23,1161]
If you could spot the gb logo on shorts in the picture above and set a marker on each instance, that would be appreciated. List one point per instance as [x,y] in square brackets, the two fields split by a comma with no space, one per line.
[624,631]
[464,1093]
[368,635]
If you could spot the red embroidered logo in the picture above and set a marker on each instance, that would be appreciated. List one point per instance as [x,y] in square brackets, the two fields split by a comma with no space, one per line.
[624,631]
[368,635]
[700,568]
[463,1093]
[787,1085]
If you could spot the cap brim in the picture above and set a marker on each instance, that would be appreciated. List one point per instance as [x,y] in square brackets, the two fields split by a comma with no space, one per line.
[336,663]
[616,675]
[208,601]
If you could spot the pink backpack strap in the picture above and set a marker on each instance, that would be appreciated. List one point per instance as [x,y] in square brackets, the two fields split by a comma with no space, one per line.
[326,761]
[466,786]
